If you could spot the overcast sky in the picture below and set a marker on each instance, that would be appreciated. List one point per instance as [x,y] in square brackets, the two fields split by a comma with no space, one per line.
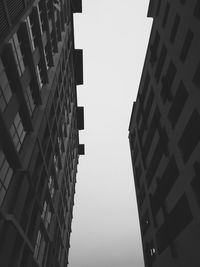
[105,230]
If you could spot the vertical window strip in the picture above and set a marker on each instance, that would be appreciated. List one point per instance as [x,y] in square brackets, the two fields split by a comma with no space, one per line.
[6,173]
[17,132]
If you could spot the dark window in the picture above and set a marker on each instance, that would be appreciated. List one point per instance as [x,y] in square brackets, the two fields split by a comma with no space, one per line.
[135,154]
[40,248]
[6,173]
[196,182]
[39,75]
[197,9]
[151,132]
[167,81]
[32,30]
[164,185]
[29,99]
[5,90]
[186,45]
[149,104]
[191,136]
[160,63]
[17,132]
[145,222]
[145,86]
[46,214]
[166,15]
[18,54]
[141,195]
[196,78]
[176,221]
[174,28]
[41,15]
[155,161]
[154,48]
[138,172]
[158,8]
[178,104]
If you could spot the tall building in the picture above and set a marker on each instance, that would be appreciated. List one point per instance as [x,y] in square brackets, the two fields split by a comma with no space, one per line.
[39,130]
[164,135]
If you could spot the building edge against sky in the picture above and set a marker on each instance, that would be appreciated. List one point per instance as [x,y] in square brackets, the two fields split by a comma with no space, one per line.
[39,130]
[164,135]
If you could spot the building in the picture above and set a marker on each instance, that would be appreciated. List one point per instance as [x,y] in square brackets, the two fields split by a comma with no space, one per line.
[164,135]
[39,130]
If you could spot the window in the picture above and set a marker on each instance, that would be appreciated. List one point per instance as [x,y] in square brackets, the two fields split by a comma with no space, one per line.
[29,99]
[151,132]
[6,173]
[5,90]
[18,54]
[186,45]
[40,9]
[137,174]
[178,104]
[164,186]
[46,214]
[154,48]
[149,104]
[51,186]
[196,78]
[191,136]
[145,222]
[196,182]
[40,247]
[141,195]
[160,63]
[158,8]
[17,132]
[182,2]
[176,221]
[166,14]
[39,75]
[32,35]
[55,160]
[197,10]
[145,86]
[154,163]
[175,28]
[167,81]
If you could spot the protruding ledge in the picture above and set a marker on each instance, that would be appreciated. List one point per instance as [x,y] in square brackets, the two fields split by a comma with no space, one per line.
[80,118]
[78,60]
[77,6]
[151,9]
[81,149]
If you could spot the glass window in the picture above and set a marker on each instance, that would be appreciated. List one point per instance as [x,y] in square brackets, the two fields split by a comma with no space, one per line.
[166,14]
[6,173]
[186,45]
[46,214]
[55,160]
[17,132]
[51,186]
[40,247]
[29,99]
[32,35]
[18,54]
[175,28]
[38,70]
[5,90]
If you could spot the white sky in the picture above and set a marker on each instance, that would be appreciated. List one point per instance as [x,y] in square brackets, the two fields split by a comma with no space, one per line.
[114,37]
